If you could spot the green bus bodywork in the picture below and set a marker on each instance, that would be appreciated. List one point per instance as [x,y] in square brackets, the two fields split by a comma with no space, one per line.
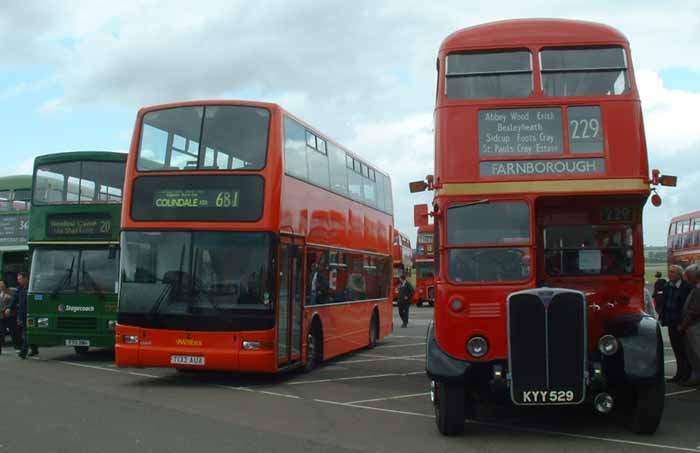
[74,244]
[15,193]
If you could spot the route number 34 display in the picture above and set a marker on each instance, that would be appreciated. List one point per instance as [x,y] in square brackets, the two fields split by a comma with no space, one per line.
[548,396]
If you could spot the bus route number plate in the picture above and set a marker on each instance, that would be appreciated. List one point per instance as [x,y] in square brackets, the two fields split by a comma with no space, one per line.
[71,342]
[187,360]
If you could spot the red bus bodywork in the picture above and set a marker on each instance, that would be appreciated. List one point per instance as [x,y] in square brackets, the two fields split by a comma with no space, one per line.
[402,256]
[476,167]
[425,265]
[684,239]
[303,218]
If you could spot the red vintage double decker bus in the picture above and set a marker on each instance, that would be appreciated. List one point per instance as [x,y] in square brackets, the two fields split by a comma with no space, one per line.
[684,239]
[402,255]
[250,242]
[541,176]
[425,265]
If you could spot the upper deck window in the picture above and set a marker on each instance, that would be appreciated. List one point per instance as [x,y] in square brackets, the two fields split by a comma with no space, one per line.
[489,75]
[584,72]
[212,137]
[79,182]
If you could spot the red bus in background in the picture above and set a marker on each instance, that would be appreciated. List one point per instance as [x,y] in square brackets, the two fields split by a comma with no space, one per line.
[684,239]
[250,242]
[425,265]
[541,175]
[402,255]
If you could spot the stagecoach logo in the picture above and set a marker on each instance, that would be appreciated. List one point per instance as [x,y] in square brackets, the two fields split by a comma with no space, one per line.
[188,342]
[542,167]
[75,309]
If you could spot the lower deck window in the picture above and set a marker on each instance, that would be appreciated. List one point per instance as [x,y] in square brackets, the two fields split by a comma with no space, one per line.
[489,264]
[589,250]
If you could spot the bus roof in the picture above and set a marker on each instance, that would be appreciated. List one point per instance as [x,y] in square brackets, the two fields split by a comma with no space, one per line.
[273,107]
[71,156]
[687,216]
[560,32]
[16,182]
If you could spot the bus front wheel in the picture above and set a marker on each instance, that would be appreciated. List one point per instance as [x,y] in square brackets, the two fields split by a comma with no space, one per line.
[646,406]
[313,349]
[449,401]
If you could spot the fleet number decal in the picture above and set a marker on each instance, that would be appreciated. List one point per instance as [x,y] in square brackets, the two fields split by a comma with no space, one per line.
[548,396]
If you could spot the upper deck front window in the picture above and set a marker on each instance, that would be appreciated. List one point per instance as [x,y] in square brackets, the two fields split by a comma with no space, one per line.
[489,75]
[584,72]
[79,182]
[212,137]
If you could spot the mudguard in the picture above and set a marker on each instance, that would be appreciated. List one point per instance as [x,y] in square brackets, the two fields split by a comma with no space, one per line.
[438,363]
[641,345]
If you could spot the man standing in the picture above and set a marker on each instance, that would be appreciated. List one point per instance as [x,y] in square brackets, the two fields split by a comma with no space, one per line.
[406,292]
[657,295]
[19,306]
[674,294]
[690,326]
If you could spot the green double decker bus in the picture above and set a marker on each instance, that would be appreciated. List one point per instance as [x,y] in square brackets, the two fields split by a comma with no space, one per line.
[15,196]
[74,245]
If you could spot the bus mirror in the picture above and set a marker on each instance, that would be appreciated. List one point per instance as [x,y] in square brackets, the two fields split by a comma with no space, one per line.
[420,215]
[668,180]
[417,186]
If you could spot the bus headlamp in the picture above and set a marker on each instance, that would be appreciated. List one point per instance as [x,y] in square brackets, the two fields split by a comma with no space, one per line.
[457,305]
[477,347]
[131,339]
[42,322]
[251,345]
[608,345]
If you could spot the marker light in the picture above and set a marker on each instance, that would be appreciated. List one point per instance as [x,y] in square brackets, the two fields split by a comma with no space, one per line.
[30,322]
[608,345]
[477,346]
[42,322]
[250,345]
[457,305]
[131,339]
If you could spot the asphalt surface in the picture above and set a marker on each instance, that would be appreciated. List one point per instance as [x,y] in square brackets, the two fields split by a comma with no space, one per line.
[366,401]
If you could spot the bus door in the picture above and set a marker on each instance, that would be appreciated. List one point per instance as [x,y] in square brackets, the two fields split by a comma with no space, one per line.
[289,308]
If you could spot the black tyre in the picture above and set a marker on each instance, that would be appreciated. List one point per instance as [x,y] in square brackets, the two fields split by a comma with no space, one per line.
[431,303]
[373,332]
[81,350]
[420,302]
[313,349]
[645,407]
[449,402]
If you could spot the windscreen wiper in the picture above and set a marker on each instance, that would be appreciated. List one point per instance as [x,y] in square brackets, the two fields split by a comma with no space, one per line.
[87,277]
[473,203]
[65,280]
[169,285]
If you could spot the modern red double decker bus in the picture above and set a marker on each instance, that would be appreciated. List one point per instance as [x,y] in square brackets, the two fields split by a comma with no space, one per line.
[425,265]
[250,242]
[541,175]
[402,255]
[684,239]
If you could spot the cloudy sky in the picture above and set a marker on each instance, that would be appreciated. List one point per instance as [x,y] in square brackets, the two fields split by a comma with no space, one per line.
[73,74]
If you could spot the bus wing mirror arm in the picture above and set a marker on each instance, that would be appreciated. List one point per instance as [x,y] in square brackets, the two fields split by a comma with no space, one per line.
[420,215]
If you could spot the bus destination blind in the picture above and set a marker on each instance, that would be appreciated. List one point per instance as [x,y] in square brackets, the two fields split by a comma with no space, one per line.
[98,226]
[234,198]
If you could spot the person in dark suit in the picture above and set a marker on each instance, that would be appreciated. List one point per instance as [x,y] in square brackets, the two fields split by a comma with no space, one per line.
[19,306]
[674,295]
[689,327]
[406,292]
[657,294]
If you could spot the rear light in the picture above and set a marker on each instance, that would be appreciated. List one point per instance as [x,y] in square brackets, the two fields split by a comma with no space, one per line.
[477,347]
[456,305]
[130,339]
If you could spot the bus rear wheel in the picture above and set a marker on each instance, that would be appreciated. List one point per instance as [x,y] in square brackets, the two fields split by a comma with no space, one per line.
[81,350]
[313,349]
[373,332]
[449,401]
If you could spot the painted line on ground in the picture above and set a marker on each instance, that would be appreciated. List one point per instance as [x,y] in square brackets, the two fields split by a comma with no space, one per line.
[252,390]
[413,395]
[84,365]
[682,392]
[153,376]
[354,378]
[400,345]
[378,409]
[406,336]
[405,357]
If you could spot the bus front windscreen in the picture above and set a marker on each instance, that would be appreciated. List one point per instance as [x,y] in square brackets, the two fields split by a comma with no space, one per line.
[488,242]
[65,270]
[212,137]
[196,280]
